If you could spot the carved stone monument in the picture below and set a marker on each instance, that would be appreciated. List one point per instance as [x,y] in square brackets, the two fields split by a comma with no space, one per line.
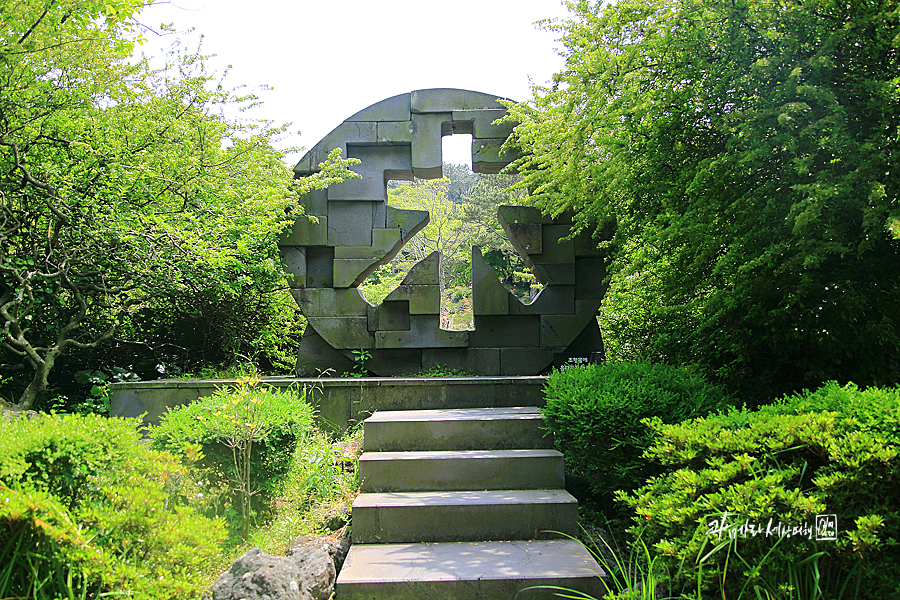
[356,232]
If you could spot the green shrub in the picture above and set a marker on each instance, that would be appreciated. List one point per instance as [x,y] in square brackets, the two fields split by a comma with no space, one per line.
[595,414]
[248,437]
[86,508]
[832,451]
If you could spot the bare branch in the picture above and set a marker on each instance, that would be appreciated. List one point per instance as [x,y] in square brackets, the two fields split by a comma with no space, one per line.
[33,26]
[38,184]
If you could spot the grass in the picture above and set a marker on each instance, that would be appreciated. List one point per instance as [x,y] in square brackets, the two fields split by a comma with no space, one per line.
[322,481]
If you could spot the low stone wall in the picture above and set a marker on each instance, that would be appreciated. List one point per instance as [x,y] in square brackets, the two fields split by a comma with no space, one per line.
[341,403]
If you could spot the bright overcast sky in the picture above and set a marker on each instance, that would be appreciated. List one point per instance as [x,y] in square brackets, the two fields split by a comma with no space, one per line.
[327,60]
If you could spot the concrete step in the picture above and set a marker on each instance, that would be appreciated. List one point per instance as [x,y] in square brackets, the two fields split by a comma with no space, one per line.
[461,470]
[396,517]
[468,571]
[456,429]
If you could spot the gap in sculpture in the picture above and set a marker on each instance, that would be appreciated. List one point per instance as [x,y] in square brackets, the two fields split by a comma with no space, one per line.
[358,231]
[457,149]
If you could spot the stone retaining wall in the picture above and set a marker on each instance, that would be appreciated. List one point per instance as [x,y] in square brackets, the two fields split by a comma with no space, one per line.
[341,403]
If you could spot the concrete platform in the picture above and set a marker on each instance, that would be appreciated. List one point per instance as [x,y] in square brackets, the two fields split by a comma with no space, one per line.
[456,429]
[397,517]
[461,470]
[468,571]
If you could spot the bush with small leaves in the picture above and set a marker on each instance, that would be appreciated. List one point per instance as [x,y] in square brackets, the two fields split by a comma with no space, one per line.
[733,482]
[595,414]
[248,434]
[86,509]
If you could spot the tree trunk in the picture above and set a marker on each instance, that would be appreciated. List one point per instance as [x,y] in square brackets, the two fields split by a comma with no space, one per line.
[38,383]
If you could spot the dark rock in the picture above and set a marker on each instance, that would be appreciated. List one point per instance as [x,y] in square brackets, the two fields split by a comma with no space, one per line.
[337,518]
[13,411]
[305,575]
[337,548]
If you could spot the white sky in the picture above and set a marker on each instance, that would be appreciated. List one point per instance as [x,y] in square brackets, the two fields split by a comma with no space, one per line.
[326,60]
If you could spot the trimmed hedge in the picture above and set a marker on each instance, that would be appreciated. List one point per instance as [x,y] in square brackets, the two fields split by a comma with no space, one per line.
[832,451]
[595,413]
[87,509]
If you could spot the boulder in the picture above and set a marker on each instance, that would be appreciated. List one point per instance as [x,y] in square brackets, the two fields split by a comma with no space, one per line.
[337,548]
[14,411]
[308,574]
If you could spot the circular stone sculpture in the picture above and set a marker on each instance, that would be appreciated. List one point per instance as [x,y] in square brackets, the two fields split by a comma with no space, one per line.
[357,231]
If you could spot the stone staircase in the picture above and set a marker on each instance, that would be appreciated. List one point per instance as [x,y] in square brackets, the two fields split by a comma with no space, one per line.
[462,504]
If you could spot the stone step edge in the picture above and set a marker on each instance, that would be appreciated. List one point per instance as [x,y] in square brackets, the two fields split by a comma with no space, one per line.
[404,455]
[454,414]
[435,561]
[462,498]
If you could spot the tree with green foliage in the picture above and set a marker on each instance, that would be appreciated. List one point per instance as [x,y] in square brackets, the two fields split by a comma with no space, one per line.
[747,153]
[122,185]
[446,231]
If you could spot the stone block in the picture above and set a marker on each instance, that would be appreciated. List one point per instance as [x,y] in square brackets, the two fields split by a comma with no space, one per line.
[555,251]
[489,297]
[377,159]
[320,267]
[350,223]
[379,214]
[395,362]
[368,187]
[509,330]
[526,238]
[484,361]
[350,272]
[315,355]
[424,332]
[552,300]
[589,342]
[457,127]
[305,165]
[558,331]
[586,246]
[294,260]
[448,99]
[483,122]
[489,157]
[372,320]
[390,316]
[378,163]
[304,232]
[395,108]
[346,133]
[409,222]
[349,132]
[590,278]
[524,361]
[521,214]
[331,302]
[344,332]
[315,203]
[557,274]
[424,272]
[384,242]
[423,299]
[385,239]
[395,132]
[427,162]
